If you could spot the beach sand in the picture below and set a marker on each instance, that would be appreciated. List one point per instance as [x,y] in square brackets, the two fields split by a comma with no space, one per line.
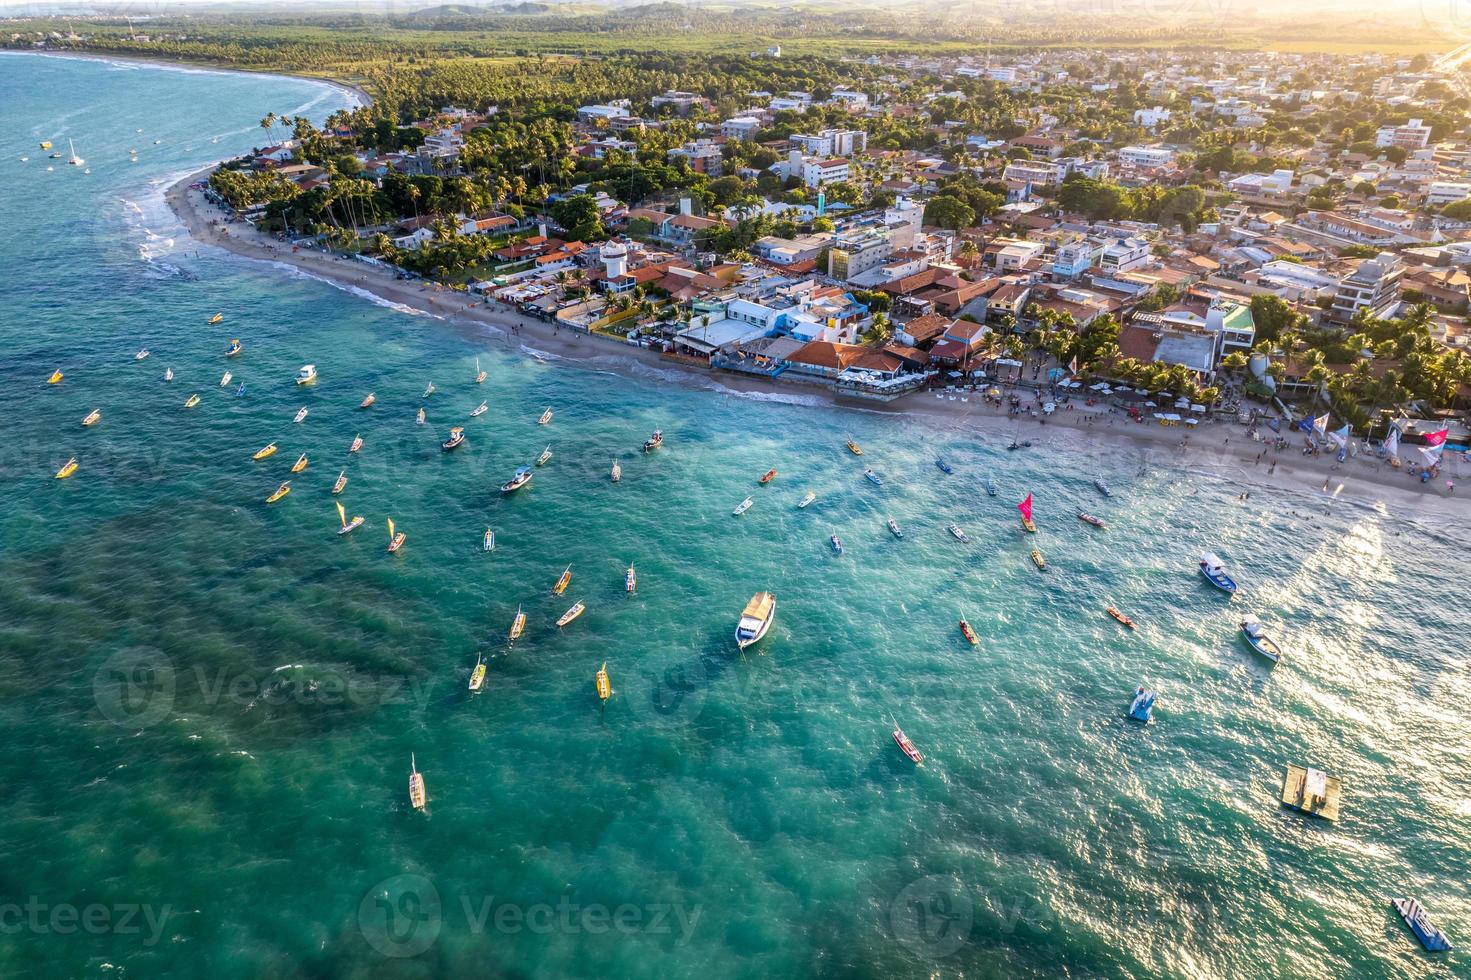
[1218,450]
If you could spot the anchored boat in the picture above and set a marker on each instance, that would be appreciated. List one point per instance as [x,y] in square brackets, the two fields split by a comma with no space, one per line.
[141,354]
[518,626]
[1026,510]
[545,417]
[300,464]
[456,438]
[347,525]
[55,378]
[396,538]
[601,682]
[421,416]
[1103,488]
[1251,628]
[307,374]
[756,619]
[957,533]
[480,375]
[192,401]
[742,507]
[854,448]
[944,466]
[873,478]
[341,482]
[1038,560]
[1430,936]
[1119,616]
[630,579]
[990,487]
[417,796]
[67,469]
[477,676]
[906,746]
[225,378]
[654,441]
[894,528]
[523,476]
[577,610]
[768,476]
[968,633]
[1143,705]
[369,400]
[357,443]
[429,389]
[479,410]
[1087,518]
[92,417]
[1214,572]
[281,491]
[806,499]
[562,581]
[487,543]
[267,450]
[234,347]
[617,472]
[300,415]
[836,543]
[546,454]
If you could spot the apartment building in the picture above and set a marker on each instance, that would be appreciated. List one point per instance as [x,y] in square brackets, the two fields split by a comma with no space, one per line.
[1373,286]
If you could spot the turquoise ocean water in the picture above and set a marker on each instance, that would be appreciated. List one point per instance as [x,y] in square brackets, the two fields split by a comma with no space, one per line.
[209,704]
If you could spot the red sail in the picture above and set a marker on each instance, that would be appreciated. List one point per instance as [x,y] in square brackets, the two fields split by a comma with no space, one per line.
[1026,508]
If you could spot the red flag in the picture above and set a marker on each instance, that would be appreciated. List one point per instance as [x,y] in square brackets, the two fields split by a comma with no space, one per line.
[1436,438]
[1026,508]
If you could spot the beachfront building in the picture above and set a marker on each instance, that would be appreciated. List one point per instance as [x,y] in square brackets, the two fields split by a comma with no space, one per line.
[1146,157]
[1374,287]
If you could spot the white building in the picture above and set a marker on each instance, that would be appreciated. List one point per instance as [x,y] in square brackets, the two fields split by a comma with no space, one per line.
[1151,118]
[815,173]
[593,113]
[1124,254]
[1276,182]
[1443,192]
[740,128]
[852,99]
[831,142]
[1374,285]
[1413,135]
[1146,156]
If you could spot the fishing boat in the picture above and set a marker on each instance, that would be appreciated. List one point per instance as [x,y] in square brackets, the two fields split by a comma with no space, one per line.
[522,477]
[617,472]
[429,389]
[742,507]
[968,633]
[456,437]
[518,626]
[854,448]
[347,525]
[142,354]
[601,682]
[807,498]
[67,469]
[767,477]
[340,484]
[906,746]
[417,796]
[225,379]
[562,581]
[168,375]
[1112,611]
[1430,936]
[192,401]
[307,374]
[894,528]
[545,417]
[368,401]
[577,610]
[234,347]
[357,444]
[1215,573]
[1251,628]
[1087,518]
[1143,705]
[421,416]
[92,417]
[55,378]
[836,543]
[477,676]
[957,533]
[487,542]
[396,538]
[630,579]
[546,454]
[300,464]
[240,391]
[1026,510]
[944,466]
[654,441]
[281,491]
[756,619]
[873,478]
[267,450]
[1038,560]
[479,410]
[990,487]
[216,319]
[480,375]
[301,414]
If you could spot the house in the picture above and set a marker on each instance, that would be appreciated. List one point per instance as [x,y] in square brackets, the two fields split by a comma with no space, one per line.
[815,173]
[740,128]
[1074,258]
[1151,118]
[1443,192]
[704,156]
[823,359]
[961,341]
[1124,254]
[1277,182]
[1146,157]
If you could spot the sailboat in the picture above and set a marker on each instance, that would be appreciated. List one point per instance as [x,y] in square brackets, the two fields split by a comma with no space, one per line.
[74,160]
[906,746]
[742,507]
[518,626]
[479,410]
[968,633]
[429,389]
[92,417]
[225,378]
[141,355]
[480,375]
[1026,510]
[55,378]
[806,500]
[604,686]
[617,472]
[357,443]
[477,676]
[562,581]
[217,318]
[366,402]
[546,454]
[347,525]
[301,414]
[545,417]
[341,482]
[576,610]
[281,491]
[193,400]
[300,464]
[417,796]
[421,416]
[168,375]
[68,469]
[854,448]
[269,449]
[630,579]
[487,543]
[396,539]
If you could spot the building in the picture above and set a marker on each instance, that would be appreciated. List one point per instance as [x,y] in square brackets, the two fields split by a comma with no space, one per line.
[815,173]
[1374,286]
[831,142]
[1276,182]
[1146,157]
[1034,172]
[1074,258]
[703,156]
[1151,118]
[596,113]
[681,101]
[1443,192]
[1123,255]
[1233,324]
[1413,135]
[740,128]
[852,255]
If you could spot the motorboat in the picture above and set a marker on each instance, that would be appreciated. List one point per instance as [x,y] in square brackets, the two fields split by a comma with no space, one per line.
[417,795]
[1251,628]
[301,415]
[357,444]
[756,619]
[340,484]
[1143,706]
[396,538]
[477,676]
[806,500]
[654,441]
[281,491]
[944,466]
[906,746]
[487,542]
[191,401]
[479,410]
[523,476]
[968,633]
[957,533]
[545,417]
[854,448]
[234,347]
[368,401]
[1087,518]
[617,472]
[601,683]
[768,476]
[562,581]
[1103,488]
[577,609]
[1038,560]
[92,417]
[267,450]
[347,525]
[456,439]
[307,374]
[67,469]
[546,454]
[836,543]
[300,464]
[1214,572]
[990,487]
[894,528]
[742,507]
[1112,611]
[873,478]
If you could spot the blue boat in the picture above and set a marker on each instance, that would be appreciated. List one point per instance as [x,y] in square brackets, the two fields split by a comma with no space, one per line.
[240,392]
[990,487]
[1430,937]
[944,466]
[1215,573]
[1143,705]
[873,478]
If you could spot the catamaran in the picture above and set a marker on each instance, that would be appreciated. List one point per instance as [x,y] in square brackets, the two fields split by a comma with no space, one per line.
[1143,705]
[307,374]
[654,441]
[546,454]
[192,401]
[1215,573]
[873,478]
[523,476]
[968,633]
[301,415]
[55,378]
[347,525]
[1251,628]
[456,438]
[366,402]
[357,443]
[854,448]
[234,348]
[300,464]
[906,746]
[562,581]
[894,528]
[1026,509]
[768,476]
[225,378]
[67,469]
[742,507]
[479,410]
[617,471]
[92,417]
[480,375]
[630,579]
[807,498]
[601,682]
[281,491]
[756,619]
[341,482]
[269,449]
[417,796]
[396,539]
[577,610]
[1087,518]
[944,466]
[477,676]
[518,626]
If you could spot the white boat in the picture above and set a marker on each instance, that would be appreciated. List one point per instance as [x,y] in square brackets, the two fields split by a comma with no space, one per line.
[546,454]
[307,374]
[479,409]
[417,796]
[74,160]
[617,472]
[168,374]
[357,443]
[894,528]
[756,619]
[141,354]
[477,676]
[523,476]
[1214,572]
[742,507]
[480,375]
[225,379]
[429,389]
[1251,628]
[957,533]
[487,543]
[300,415]
[421,416]
[577,610]
[654,441]
[806,499]
[545,417]
[347,525]
[837,544]
[873,478]
[630,579]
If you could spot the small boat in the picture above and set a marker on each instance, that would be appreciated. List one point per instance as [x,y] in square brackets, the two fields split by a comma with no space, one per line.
[806,499]
[1215,573]
[1430,936]
[654,441]
[756,619]
[990,487]
[429,389]
[281,491]
[944,466]
[854,448]
[477,676]
[192,401]
[54,155]
[577,610]
[307,374]
[1143,705]
[906,746]
[267,450]
[396,539]
[546,454]
[487,543]
[601,682]
[1112,611]
[68,469]
[873,478]
[341,482]
[518,626]
[168,375]
[141,354]
[480,375]
[368,401]
[1038,560]
[1026,510]
[894,528]
[545,417]
[456,437]
[421,416]
[968,633]
[1087,518]
[1251,628]
[957,533]
[617,472]
[767,477]
[300,464]
[301,414]
[92,417]
[417,796]
[347,525]
[216,319]
[562,581]
[240,391]
[55,378]
[74,160]
[522,477]
[1103,488]
[357,444]
[225,378]
[234,347]
[479,410]
[45,144]
[836,543]
[742,507]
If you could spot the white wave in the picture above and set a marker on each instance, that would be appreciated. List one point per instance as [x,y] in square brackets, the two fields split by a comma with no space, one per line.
[359,291]
[278,670]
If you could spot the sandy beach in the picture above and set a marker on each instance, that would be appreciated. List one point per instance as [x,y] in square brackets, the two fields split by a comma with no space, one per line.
[1219,449]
